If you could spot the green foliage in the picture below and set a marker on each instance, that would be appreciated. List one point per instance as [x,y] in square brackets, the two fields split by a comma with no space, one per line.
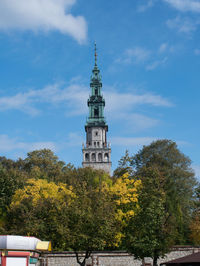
[92,222]
[178,181]
[147,234]
[39,207]
[89,176]
[195,222]
[146,207]
[80,216]
[161,161]
[10,181]
[197,199]
[44,164]
[124,166]
[195,230]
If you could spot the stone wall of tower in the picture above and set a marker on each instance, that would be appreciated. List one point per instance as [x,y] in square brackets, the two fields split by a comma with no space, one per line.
[96,137]
[99,166]
[97,152]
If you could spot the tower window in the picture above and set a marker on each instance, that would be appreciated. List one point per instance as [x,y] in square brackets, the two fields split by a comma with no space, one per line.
[100,157]
[87,157]
[97,143]
[96,91]
[106,157]
[96,133]
[93,157]
[96,112]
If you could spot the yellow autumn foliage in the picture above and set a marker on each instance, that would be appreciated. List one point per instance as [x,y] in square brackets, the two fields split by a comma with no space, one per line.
[125,194]
[42,189]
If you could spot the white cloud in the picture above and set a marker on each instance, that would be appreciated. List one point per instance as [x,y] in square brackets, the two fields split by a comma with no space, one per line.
[117,101]
[42,15]
[166,48]
[197,51]
[185,5]
[75,96]
[137,122]
[74,139]
[155,64]
[148,4]
[150,59]
[127,142]
[134,55]
[183,25]
[28,102]
[163,47]
[19,147]
[9,144]
[119,105]
[123,107]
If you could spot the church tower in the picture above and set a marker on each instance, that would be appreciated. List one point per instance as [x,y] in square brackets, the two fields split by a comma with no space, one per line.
[97,151]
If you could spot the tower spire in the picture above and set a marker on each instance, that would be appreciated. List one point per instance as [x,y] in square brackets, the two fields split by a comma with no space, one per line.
[96,152]
[95,53]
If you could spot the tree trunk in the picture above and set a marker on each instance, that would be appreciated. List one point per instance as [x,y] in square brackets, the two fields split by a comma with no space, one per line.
[155,261]
[87,255]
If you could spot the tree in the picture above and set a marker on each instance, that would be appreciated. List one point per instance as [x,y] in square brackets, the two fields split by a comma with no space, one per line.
[39,207]
[147,233]
[176,181]
[124,166]
[93,224]
[195,223]
[44,164]
[10,180]
[195,230]
[197,199]
[89,176]
[124,192]
[79,217]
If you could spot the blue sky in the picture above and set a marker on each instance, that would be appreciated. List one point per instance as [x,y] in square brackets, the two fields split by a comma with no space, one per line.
[149,57]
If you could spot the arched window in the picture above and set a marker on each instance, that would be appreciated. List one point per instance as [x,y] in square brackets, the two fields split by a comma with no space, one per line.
[96,91]
[100,157]
[93,157]
[106,157]
[87,157]
[96,112]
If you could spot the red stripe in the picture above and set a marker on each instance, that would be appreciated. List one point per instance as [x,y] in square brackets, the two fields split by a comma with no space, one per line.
[3,260]
[18,254]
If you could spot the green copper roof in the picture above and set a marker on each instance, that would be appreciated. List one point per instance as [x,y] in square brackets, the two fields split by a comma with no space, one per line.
[96,102]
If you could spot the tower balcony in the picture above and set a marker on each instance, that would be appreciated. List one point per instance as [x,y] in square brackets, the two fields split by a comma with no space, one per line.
[92,146]
[96,121]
